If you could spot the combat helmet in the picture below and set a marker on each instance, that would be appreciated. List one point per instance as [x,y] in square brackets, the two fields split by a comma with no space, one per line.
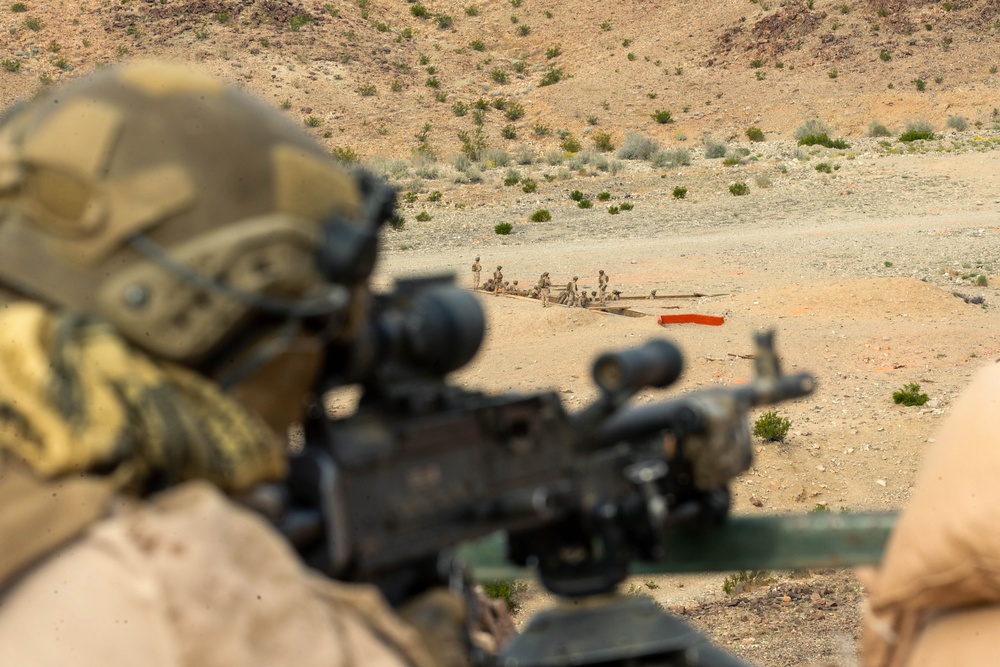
[180,209]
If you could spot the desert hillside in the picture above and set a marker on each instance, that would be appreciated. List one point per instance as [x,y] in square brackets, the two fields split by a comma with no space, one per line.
[386,77]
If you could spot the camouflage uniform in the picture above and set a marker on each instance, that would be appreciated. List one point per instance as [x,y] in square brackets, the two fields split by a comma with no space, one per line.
[583,300]
[477,269]
[569,296]
[498,281]
[546,283]
[156,214]
[602,286]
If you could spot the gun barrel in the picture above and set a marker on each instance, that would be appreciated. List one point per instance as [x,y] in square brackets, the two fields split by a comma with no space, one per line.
[658,363]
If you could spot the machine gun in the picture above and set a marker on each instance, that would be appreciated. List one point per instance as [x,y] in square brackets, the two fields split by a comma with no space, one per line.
[383,495]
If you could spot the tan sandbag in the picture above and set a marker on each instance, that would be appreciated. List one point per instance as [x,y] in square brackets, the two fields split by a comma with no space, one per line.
[36,515]
[967,638]
[945,550]
[191,580]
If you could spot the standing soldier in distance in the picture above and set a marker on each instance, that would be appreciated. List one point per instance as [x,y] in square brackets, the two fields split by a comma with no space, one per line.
[569,298]
[546,283]
[477,268]
[602,286]
[498,281]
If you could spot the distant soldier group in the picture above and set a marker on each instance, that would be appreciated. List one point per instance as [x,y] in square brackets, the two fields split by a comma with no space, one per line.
[572,295]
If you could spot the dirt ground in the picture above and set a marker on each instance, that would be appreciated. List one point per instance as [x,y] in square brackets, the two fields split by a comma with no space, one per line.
[862,296]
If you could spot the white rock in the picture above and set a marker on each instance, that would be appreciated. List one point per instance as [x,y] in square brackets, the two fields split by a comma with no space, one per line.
[880,482]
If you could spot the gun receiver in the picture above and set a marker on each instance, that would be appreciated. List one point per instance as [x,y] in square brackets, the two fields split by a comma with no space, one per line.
[383,494]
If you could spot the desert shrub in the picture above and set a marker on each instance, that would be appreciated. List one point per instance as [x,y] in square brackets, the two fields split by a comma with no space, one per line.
[614,210]
[434,196]
[529,185]
[494,157]
[503,228]
[662,116]
[552,75]
[815,132]
[397,221]
[637,147]
[18,7]
[715,149]
[603,196]
[419,11]
[755,134]
[680,192]
[514,112]
[585,203]
[917,129]
[423,216]
[472,10]
[746,581]
[982,280]
[884,56]
[570,144]
[512,177]
[524,155]
[739,189]
[445,21]
[541,130]
[675,157]
[553,52]
[771,427]
[877,129]
[33,23]
[523,30]
[919,84]
[554,157]
[462,162]
[299,21]
[368,90]
[957,123]
[824,167]
[508,591]
[460,108]
[433,82]
[602,142]
[625,206]
[508,132]
[762,181]
[541,215]
[11,64]
[499,75]
[345,154]
[477,45]
[576,195]
[909,395]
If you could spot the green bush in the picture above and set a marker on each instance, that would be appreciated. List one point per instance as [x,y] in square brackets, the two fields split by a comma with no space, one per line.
[432,82]
[919,84]
[529,185]
[602,142]
[33,23]
[512,177]
[909,395]
[674,157]
[397,221]
[771,427]
[19,7]
[917,129]
[680,192]
[419,11]
[576,195]
[444,21]
[299,21]
[423,216]
[603,196]
[625,206]
[553,52]
[885,56]
[662,116]
[982,280]
[313,121]
[822,140]
[503,228]
[541,215]
[508,132]
[508,591]
[477,45]
[11,64]
[613,210]
[570,144]
[824,167]
[514,112]
[585,203]
[877,129]
[552,75]
[755,134]
[434,196]
[499,75]
[460,108]
[739,189]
